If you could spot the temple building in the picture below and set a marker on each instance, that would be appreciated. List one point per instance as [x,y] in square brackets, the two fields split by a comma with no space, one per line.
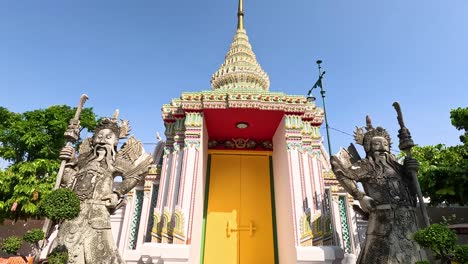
[242,177]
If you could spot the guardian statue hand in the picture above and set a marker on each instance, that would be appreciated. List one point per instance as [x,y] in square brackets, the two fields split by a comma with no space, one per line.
[67,153]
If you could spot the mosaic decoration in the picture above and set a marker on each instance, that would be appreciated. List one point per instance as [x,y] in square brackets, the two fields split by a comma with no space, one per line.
[178,223]
[327,225]
[327,218]
[136,220]
[156,230]
[193,119]
[316,225]
[293,138]
[328,174]
[306,229]
[240,143]
[193,129]
[154,198]
[344,224]
[294,122]
[327,200]
[169,133]
[167,227]
[196,102]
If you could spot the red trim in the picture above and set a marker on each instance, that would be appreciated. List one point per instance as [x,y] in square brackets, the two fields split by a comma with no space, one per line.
[221,123]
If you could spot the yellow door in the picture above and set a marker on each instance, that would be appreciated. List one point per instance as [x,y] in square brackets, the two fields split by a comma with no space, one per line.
[239,218]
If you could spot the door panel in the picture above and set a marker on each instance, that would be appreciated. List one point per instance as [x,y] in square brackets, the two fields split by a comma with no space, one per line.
[256,208]
[223,204]
[239,225]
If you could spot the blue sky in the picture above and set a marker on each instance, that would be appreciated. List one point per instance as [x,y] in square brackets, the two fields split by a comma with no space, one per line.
[138,55]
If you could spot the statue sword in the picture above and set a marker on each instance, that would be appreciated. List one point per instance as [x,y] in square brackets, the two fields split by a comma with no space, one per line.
[406,143]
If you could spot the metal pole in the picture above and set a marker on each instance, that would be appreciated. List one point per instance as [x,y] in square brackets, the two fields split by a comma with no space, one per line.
[322,92]
[335,239]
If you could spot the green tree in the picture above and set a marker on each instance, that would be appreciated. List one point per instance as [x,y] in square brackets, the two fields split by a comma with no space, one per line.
[58,256]
[61,204]
[461,254]
[443,175]
[31,142]
[11,244]
[438,238]
[33,237]
[459,118]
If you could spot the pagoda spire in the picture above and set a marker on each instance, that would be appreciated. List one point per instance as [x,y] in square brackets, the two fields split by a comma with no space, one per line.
[240,69]
[240,16]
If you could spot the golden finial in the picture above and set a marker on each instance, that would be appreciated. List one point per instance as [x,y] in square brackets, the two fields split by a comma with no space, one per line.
[240,16]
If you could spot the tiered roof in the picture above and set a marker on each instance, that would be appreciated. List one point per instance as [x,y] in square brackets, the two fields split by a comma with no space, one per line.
[240,82]
[240,69]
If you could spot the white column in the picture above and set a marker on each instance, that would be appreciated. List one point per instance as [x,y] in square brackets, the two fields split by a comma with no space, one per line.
[187,192]
[129,208]
[296,194]
[285,224]
[145,210]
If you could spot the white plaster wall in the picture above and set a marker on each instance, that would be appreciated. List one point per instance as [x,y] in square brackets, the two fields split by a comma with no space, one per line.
[190,175]
[297,198]
[129,209]
[176,178]
[322,255]
[158,254]
[283,203]
[117,220]
[173,177]
[196,235]
[164,186]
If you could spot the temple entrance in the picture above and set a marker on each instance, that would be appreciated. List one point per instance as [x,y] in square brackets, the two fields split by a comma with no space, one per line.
[239,225]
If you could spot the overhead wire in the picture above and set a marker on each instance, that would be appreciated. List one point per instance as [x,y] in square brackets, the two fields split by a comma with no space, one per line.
[351,135]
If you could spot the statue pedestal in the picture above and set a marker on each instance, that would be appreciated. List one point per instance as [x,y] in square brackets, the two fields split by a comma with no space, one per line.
[158,253]
[324,255]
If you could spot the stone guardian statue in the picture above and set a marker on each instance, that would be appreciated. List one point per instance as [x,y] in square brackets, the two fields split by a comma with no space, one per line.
[88,238]
[389,196]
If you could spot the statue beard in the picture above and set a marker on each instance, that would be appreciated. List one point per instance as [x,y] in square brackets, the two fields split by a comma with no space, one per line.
[104,152]
[383,160]
[381,156]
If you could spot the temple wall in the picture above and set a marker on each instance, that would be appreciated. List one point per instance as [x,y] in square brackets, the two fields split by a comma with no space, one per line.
[173,231]
[197,231]
[117,225]
[308,183]
[283,201]
[170,211]
[297,180]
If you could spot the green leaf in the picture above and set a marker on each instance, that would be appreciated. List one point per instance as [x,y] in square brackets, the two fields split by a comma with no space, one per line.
[446,191]
[61,204]
[11,244]
[31,141]
[34,236]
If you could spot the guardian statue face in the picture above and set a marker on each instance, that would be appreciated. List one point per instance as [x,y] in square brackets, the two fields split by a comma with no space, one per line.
[105,144]
[105,137]
[379,144]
